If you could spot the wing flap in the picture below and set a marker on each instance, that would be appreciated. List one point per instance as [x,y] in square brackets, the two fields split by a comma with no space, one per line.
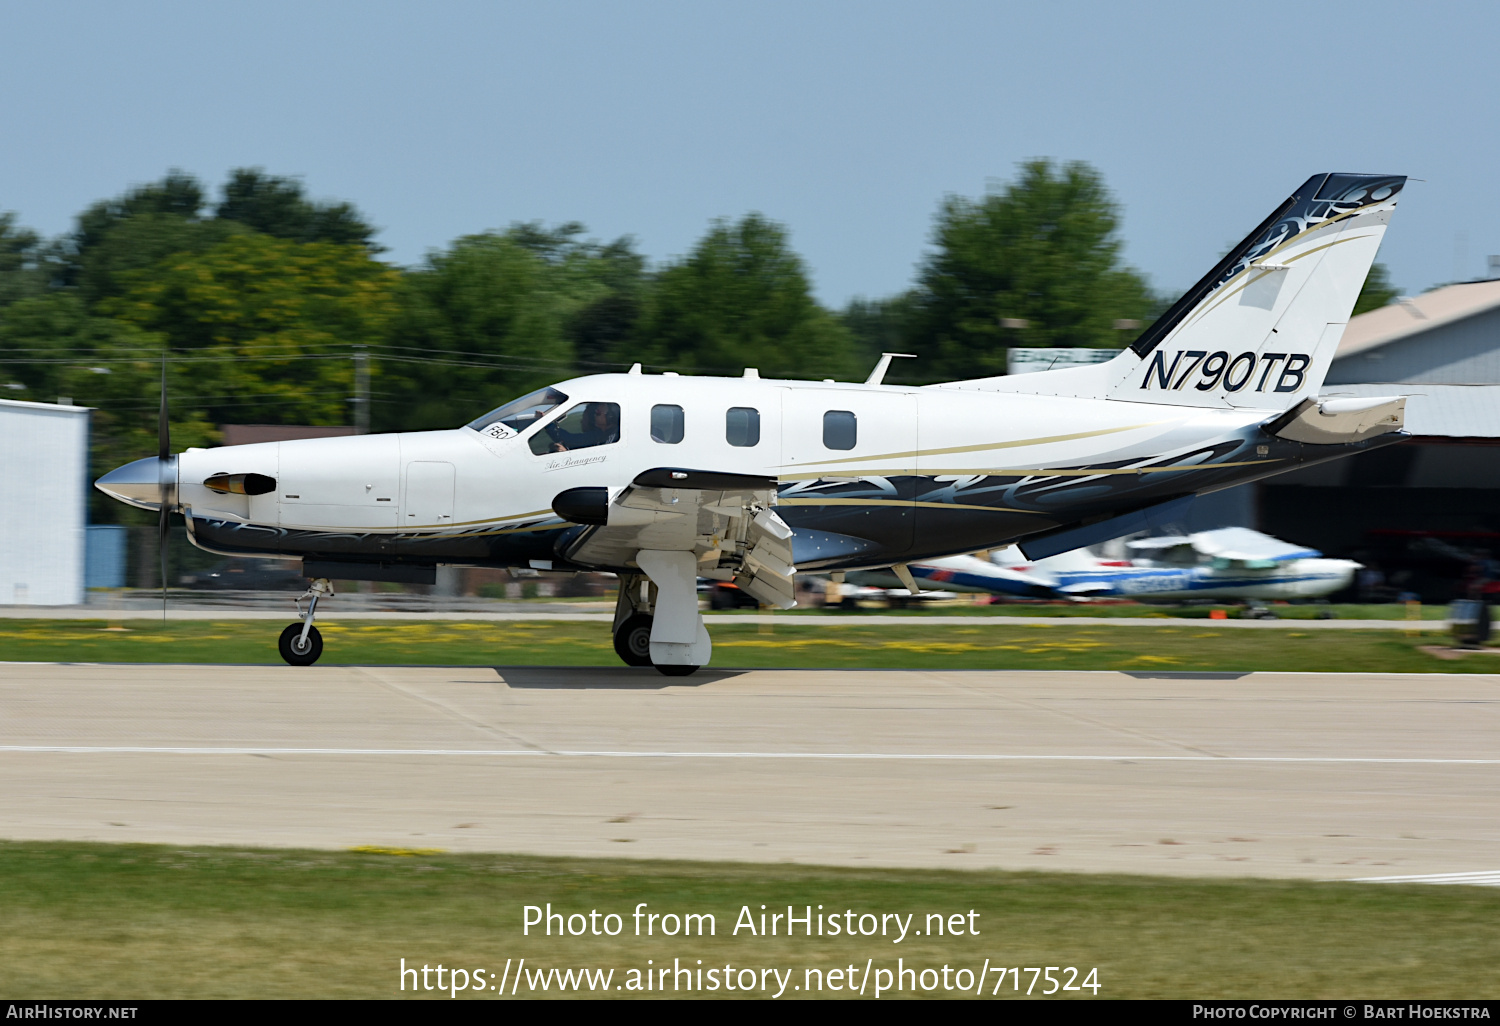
[724,519]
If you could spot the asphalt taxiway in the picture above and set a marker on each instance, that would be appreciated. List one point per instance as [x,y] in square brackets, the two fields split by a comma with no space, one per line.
[1286,775]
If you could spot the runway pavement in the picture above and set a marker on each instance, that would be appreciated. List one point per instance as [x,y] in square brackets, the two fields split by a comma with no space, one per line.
[1286,775]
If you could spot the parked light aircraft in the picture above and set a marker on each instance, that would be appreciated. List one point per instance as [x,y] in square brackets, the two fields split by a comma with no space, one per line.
[663,479]
[1228,563]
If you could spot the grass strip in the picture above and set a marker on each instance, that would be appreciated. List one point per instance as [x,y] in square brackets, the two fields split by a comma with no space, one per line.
[148,921]
[1174,647]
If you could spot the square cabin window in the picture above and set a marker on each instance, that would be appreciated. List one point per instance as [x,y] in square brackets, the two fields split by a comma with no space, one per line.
[839,429]
[666,424]
[742,426]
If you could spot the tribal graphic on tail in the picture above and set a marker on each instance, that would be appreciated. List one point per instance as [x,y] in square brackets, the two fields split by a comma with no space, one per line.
[1260,329]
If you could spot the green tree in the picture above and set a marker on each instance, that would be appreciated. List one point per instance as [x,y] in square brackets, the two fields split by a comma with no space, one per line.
[280,207]
[498,314]
[883,326]
[741,299]
[263,327]
[134,246]
[1376,292]
[20,255]
[115,239]
[1035,263]
[42,337]
[133,231]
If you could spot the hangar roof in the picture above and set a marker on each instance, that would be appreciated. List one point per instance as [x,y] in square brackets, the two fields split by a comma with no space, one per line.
[1443,411]
[1411,315]
[26,404]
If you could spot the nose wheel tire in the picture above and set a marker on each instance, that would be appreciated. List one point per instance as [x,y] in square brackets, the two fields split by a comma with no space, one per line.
[297,652]
[633,641]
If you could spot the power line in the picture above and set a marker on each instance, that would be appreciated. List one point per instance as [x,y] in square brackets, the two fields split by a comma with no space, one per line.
[213,401]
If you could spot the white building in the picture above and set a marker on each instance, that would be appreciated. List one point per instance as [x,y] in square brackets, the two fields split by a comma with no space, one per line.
[43,503]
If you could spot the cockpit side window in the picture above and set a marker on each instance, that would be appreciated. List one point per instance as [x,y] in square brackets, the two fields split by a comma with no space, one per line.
[583,427]
[519,414]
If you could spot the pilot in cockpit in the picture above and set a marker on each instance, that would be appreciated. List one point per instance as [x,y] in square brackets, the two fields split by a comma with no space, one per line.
[600,426]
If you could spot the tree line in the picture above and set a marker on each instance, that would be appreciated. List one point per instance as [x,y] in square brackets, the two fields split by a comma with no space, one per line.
[258,297]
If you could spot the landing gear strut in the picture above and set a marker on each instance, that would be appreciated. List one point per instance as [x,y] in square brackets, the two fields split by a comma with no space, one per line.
[679,641]
[633,620]
[301,644]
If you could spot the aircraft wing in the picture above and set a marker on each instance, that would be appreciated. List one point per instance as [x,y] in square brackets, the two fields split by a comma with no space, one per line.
[1158,548]
[725,520]
[1241,543]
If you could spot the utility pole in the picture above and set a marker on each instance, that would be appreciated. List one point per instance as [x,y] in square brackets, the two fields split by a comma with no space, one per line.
[361,390]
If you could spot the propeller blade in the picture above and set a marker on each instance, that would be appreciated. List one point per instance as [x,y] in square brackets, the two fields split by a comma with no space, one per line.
[164,493]
[163,432]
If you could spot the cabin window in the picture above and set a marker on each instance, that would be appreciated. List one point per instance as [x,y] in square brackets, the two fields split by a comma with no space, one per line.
[742,426]
[839,429]
[666,424]
[583,427]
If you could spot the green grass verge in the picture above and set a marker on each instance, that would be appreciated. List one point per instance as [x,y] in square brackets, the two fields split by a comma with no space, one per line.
[1195,647]
[139,921]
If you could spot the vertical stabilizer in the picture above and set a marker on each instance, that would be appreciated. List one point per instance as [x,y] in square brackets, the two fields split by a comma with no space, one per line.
[1261,328]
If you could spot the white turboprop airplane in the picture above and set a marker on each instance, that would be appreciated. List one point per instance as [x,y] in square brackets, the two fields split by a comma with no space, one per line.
[663,479]
[1227,563]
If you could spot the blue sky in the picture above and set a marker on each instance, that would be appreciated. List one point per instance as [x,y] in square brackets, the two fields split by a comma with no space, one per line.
[846,121]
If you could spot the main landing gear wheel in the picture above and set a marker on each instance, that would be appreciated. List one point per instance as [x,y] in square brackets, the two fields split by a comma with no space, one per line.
[633,641]
[297,651]
[673,670]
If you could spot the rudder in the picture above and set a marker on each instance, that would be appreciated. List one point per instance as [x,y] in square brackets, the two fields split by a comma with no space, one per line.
[1261,328]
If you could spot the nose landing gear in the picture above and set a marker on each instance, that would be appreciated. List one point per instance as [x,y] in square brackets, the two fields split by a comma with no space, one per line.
[301,644]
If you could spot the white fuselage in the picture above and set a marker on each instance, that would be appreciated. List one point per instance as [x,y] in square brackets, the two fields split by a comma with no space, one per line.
[463,482]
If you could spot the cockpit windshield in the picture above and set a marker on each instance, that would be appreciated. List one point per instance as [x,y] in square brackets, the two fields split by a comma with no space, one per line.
[519,414]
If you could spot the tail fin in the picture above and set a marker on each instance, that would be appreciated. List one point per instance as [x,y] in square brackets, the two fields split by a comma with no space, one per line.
[1261,328]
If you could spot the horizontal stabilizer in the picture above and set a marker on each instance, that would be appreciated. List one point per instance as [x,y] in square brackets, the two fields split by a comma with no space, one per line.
[1340,421]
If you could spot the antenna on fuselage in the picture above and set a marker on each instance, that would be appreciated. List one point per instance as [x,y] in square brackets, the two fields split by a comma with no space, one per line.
[878,374]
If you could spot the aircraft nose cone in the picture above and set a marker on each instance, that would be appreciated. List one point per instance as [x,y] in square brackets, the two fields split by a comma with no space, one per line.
[139,483]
